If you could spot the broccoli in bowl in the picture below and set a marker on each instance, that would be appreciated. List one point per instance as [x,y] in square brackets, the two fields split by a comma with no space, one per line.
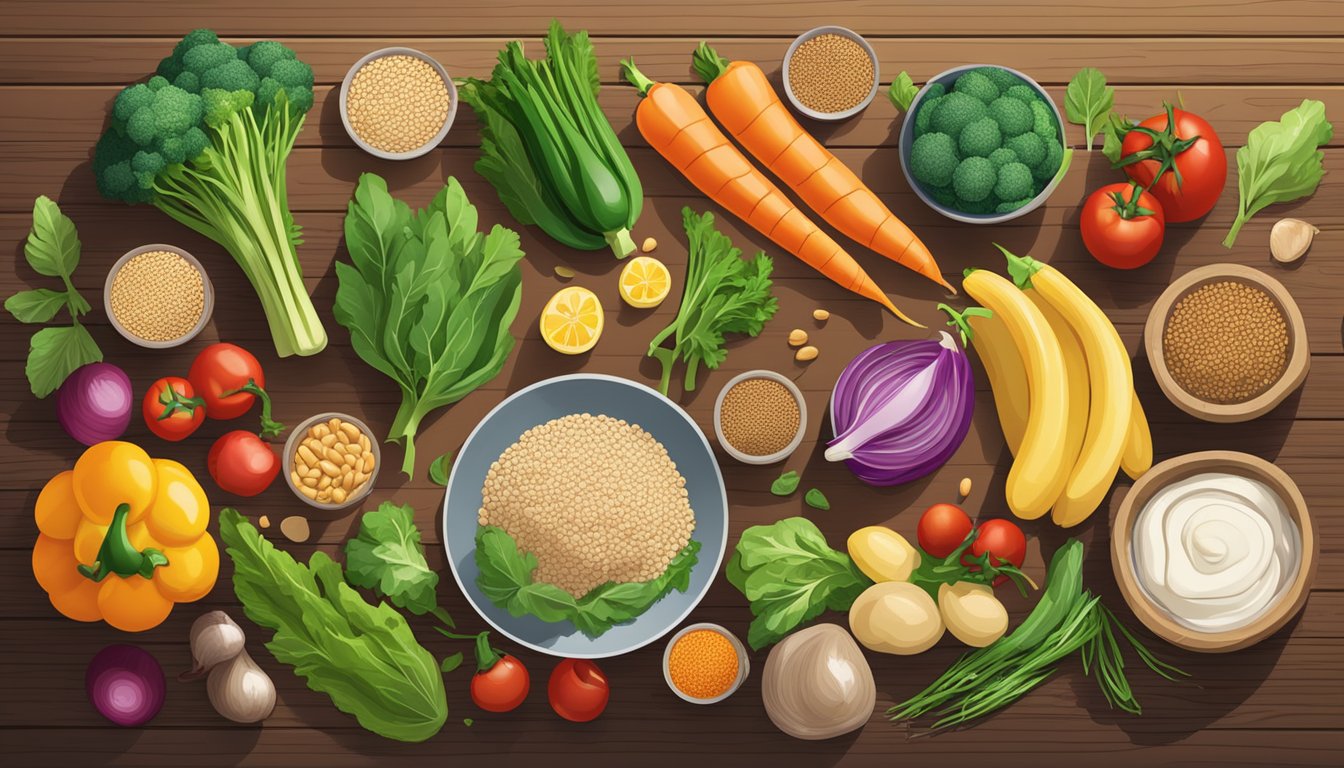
[983,142]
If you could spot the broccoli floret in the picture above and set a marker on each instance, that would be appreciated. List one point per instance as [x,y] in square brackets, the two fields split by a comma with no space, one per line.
[942,195]
[1013,116]
[1000,77]
[1010,206]
[980,138]
[976,207]
[1049,166]
[1002,156]
[1023,93]
[975,83]
[933,158]
[934,90]
[974,179]
[1029,148]
[205,140]
[956,111]
[922,117]
[1043,122]
[1014,182]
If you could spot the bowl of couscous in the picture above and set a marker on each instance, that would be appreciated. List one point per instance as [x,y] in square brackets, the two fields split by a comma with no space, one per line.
[398,103]
[830,73]
[158,296]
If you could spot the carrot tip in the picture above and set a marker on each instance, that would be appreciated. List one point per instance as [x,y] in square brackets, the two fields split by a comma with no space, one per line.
[886,302]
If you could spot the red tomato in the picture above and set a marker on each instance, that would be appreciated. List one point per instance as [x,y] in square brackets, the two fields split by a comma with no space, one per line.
[942,528]
[1004,542]
[171,409]
[242,464]
[578,690]
[502,687]
[218,372]
[1185,152]
[1121,230]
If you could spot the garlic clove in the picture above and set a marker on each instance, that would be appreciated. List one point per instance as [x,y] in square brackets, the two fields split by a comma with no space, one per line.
[1290,239]
[241,691]
[215,638]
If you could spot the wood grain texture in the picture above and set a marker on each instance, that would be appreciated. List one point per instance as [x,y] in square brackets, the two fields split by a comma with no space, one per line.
[1236,62]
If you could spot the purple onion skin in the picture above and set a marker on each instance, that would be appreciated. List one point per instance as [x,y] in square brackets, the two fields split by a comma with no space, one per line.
[935,430]
[95,403]
[125,685]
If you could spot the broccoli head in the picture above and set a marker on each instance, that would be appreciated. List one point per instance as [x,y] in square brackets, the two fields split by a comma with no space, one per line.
[1014,182]
[980,138]
[976,83]
[1043,121]
[974,179]
[976,207]
[933,158]
[1029,148]
[1002,156]
[1000,77]
[1024,93]
[1013,116]
[934,90]
[925,113]
[942,195]
[956,111]
[1013,205]
[1048,167]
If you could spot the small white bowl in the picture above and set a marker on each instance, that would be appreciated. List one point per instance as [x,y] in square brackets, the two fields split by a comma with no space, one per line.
[207,308]
[831,116]
[398,51]
[743,663]
[292,444]
[772,458]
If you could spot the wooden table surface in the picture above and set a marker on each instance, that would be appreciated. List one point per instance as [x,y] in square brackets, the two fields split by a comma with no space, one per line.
[1236,62]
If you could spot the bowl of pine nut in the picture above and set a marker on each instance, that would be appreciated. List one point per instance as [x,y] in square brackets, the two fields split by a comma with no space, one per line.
[331,461]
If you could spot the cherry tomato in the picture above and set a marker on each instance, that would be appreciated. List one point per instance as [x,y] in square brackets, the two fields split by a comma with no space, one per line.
[1004,542]
[578,690]
[1184,151]
[242,464]
[501,687]
[171,409]
[1123,227]
[942,528]
[229,379]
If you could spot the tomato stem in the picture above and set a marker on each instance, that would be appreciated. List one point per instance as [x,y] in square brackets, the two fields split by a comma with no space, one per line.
[269,427]
[486,656]
[1165,148]
[1129,209]
[177,402]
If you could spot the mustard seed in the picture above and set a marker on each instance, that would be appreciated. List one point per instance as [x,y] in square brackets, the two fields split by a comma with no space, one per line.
[397,103]
[759,417]
[831,73]
[158,296]
[1226,342]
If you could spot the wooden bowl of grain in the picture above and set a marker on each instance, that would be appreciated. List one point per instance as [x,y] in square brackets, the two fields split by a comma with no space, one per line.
[1227,343]
[398,103]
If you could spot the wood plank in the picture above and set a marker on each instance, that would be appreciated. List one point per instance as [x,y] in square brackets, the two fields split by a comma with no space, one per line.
[746,17]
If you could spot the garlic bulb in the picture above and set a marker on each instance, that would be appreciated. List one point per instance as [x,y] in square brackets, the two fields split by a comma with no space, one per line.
[215,638]
[241,691]
[817,684]
[1290,239]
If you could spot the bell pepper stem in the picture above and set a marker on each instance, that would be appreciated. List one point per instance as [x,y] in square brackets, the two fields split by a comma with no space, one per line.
[269,426]
[117,554]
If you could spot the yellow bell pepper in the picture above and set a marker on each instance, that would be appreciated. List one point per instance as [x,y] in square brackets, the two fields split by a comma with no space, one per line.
[122,538]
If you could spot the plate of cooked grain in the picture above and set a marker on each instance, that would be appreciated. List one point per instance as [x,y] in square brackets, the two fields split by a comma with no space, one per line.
[585,516]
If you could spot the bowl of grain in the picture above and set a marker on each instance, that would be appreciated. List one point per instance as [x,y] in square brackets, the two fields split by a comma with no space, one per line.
[760,417]
[1227,343]
[397,103]
[705,663]
[331,461]
[830,73]
[158,296]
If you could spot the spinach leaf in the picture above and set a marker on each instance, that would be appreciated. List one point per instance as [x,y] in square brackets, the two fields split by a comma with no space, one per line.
[816,499]
[1088,102]
[440,468]
[54,353]
[1281,161]
[386,556]
[785,484]
[902,91]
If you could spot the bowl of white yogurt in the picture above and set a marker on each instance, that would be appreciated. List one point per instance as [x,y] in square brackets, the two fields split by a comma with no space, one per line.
[1214,551]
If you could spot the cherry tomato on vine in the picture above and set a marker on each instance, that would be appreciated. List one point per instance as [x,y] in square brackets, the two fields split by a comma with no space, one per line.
[1122,226]
[1182,152]
[229,379]
[502,686]
[171,409]
[242,464]
[942,528]
[1003,541]
[578,690]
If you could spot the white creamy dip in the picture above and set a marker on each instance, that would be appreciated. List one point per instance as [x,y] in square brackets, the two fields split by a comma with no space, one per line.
[1216,550]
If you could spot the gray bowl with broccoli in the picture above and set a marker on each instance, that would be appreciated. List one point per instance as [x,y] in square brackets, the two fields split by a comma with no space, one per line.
[983,144]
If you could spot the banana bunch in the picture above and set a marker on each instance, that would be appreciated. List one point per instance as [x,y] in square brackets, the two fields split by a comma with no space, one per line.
[1063,389]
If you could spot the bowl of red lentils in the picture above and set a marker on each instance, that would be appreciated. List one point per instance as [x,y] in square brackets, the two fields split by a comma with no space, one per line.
[1227,343]
[705,663]
[830,73]
[331,461]
[158,296]
[760,417]
[398,103]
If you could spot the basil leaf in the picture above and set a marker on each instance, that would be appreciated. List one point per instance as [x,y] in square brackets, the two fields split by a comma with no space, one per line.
[451,663]
[55,353]
[35,306]
[52,248]
[1088,102]
[816,499]
[439,469]
[902,91]
[386,556]
[785,484]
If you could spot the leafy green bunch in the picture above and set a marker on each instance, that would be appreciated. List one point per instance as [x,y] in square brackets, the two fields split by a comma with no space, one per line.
[427,298]
[205,140]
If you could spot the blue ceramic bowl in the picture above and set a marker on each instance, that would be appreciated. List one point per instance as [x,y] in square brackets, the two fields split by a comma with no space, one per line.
[599,395]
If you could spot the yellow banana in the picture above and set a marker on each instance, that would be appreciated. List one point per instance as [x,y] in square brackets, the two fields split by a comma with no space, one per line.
[1138,454]
[1075,368]
[1110,380]
[1007,375]
[1039,472]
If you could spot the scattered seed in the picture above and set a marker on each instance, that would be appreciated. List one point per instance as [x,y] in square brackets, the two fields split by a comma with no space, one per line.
[295,528]
[821,315]
[158,296]
[564,272]
[797,337]
[648,245]
[806,353]
[965,487]
[264,521]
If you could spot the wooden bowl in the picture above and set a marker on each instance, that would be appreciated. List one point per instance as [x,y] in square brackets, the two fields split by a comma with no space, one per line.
[1294,372]
[1154,616]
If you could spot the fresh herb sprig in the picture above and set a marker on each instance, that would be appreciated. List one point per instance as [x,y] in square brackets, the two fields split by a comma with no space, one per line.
[1088,102]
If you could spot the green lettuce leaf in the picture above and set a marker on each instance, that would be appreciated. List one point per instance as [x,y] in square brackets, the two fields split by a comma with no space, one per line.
[386,556]
[1281,161]
[902,91]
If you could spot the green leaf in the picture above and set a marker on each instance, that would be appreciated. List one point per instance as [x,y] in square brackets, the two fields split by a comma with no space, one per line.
[1281,161]
[439,469]
[386,556]
[55,353]
[53,245]
[902,91]
[1088,102]
[451,662]
[1113,137]
[785,484]
[36,306]
[816,499]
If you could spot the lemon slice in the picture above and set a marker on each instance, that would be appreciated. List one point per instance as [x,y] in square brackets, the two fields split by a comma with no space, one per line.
[645,282]
[572,320]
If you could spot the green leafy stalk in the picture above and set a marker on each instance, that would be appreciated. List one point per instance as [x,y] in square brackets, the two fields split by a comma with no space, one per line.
[1088,102]
[1280,162]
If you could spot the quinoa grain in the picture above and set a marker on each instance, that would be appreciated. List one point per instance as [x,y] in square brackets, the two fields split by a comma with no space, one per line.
[158,296]
[1226,342]
[397,103]
[831,73]
[759,417]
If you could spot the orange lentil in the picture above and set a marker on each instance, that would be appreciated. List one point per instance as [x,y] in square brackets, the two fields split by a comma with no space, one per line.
[703,664]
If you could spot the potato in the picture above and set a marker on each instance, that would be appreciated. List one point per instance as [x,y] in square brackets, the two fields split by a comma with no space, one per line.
[883,554]
[896,617]
[972,613]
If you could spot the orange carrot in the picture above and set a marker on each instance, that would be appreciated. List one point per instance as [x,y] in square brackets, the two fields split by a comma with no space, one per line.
[675,125]
[746,104]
